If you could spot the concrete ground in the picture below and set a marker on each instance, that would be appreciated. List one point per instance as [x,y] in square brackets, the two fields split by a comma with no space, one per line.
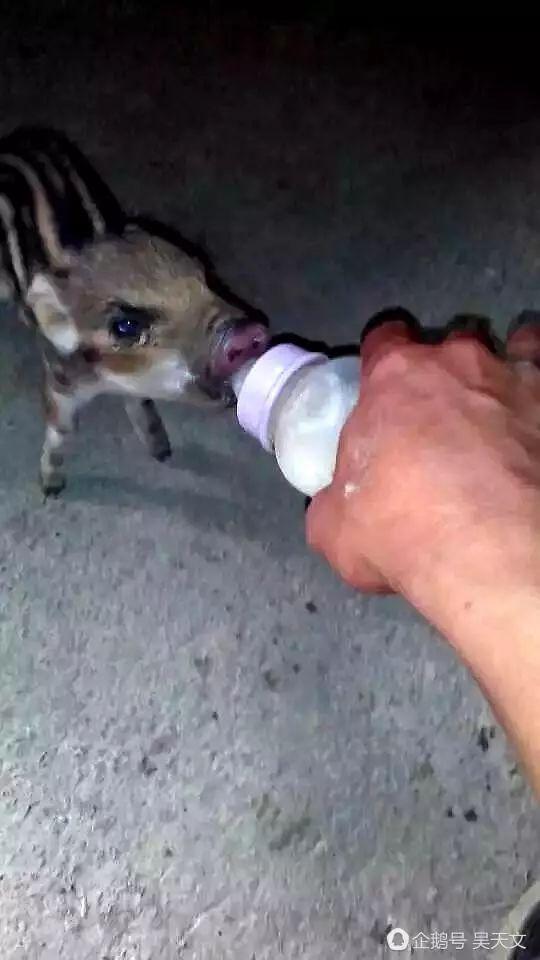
[210,748]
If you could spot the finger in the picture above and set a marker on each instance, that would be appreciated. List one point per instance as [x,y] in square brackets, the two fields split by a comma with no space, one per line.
[523,341]
[368,580]
[459,334]
[384,332]
[469,325]
[391,315]
[321,519]
[326,535]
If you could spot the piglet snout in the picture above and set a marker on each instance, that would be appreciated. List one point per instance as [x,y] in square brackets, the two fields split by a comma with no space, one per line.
[244,341]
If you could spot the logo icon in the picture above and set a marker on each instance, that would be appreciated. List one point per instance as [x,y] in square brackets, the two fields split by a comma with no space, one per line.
[398,939]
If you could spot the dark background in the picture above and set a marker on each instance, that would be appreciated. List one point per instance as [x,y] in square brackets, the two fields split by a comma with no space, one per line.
[209,746]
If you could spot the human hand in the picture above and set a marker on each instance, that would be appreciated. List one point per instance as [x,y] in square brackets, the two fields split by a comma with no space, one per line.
[438,465]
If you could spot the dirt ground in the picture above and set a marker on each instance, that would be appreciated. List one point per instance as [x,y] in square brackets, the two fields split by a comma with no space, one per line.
[209,747]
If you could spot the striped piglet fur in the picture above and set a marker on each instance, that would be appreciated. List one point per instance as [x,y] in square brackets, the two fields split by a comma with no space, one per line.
[118,307]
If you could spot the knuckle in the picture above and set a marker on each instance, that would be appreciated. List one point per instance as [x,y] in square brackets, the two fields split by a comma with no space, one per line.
[465,346]
[467,354]
[524,343]
[396,360]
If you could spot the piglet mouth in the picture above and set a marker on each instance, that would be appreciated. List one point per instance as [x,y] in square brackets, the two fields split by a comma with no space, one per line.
[242,341]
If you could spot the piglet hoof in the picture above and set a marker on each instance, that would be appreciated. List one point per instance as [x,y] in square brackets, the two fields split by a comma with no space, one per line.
[52,485]
[162,453]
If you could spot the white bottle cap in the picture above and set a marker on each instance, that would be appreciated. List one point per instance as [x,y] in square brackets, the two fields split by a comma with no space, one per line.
[263,385]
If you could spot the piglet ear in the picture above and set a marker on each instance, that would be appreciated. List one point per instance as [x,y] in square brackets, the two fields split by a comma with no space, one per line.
[53,318]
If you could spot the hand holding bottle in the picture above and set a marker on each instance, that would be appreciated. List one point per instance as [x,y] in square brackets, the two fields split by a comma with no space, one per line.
[442,451]
[436,494]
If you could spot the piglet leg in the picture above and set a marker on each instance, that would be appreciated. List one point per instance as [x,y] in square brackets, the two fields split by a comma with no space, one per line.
[60,422]
[148,426]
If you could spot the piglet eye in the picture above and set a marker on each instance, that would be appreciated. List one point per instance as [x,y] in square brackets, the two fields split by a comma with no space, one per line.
[128,324]
[126,327]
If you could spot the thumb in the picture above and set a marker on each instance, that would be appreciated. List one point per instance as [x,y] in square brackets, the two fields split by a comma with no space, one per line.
[328,534]
[321,519]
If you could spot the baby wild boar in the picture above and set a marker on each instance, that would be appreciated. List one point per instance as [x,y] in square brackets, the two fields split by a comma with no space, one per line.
[119,308]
